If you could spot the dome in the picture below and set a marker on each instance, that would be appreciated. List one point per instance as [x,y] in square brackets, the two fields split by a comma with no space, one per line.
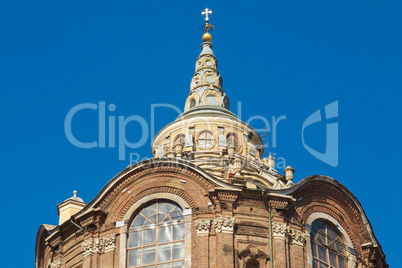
[75,198]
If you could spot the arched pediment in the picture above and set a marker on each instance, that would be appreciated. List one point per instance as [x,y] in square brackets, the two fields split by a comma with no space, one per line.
[152,168]
[44,231]
[322,194]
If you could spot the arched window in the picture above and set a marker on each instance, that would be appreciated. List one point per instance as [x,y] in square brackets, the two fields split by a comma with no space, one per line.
[180,139]
[192,103]
[327,246]
[156,237]
[232,139]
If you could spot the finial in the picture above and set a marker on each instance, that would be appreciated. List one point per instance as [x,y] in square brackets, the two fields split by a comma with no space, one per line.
[75,193]
[289,173]
[207,37]
[206,12]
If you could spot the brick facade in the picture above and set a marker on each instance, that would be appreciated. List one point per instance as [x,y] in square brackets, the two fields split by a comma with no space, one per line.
[239,224]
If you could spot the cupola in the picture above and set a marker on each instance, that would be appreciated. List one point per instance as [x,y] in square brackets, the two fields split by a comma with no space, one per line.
[70,207]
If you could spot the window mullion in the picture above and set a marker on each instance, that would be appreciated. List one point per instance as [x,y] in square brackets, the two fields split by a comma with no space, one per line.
[157,233]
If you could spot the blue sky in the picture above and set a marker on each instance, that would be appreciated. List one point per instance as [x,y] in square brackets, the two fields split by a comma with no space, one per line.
[279,58]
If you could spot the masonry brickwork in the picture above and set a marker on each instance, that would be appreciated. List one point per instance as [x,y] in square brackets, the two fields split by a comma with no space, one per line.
[248,240]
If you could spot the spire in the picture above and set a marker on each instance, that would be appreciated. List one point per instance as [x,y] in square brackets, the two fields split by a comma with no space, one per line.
[206,85]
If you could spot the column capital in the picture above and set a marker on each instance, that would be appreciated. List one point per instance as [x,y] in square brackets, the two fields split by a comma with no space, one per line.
[203,227]
[224,224]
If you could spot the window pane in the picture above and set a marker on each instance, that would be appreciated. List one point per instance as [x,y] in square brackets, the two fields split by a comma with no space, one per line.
[163,218]
[332,235]
[165,234]
[178,251]
[148,255]
[178,231]
[192,103]
[332,259]
[149,236]
[320,238]
[322,265]
[135,239]
[166,265]
[209,144]
[322,254]
[314,249]
[179,264]
[152,219]
[134,256]
[315,264]
[166,207]
[177,214]
[139,221]
[149,210]
[319,226]
[148,224]
[341,261]
[338,246]
[201,143]
[164,253]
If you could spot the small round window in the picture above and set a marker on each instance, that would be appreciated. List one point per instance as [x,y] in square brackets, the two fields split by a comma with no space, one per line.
[206,140]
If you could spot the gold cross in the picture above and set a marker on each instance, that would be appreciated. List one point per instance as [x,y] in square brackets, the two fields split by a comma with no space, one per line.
[206,12]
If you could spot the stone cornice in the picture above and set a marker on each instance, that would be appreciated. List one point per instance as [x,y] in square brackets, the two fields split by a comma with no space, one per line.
[92,216]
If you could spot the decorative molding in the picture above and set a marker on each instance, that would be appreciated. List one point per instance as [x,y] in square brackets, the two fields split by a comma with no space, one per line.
[95,245]
[224,224]
[252,253]
[203,227]
[91,246]
[58,263]
[280,230]
[110,242]
[298,238]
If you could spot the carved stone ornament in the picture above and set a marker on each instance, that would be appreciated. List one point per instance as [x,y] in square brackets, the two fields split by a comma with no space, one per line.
[203,227]
[298,238]
[252,253]
[58,263]
[91,246]
[110,242]
[224,224]
[280,230]
[95,245]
